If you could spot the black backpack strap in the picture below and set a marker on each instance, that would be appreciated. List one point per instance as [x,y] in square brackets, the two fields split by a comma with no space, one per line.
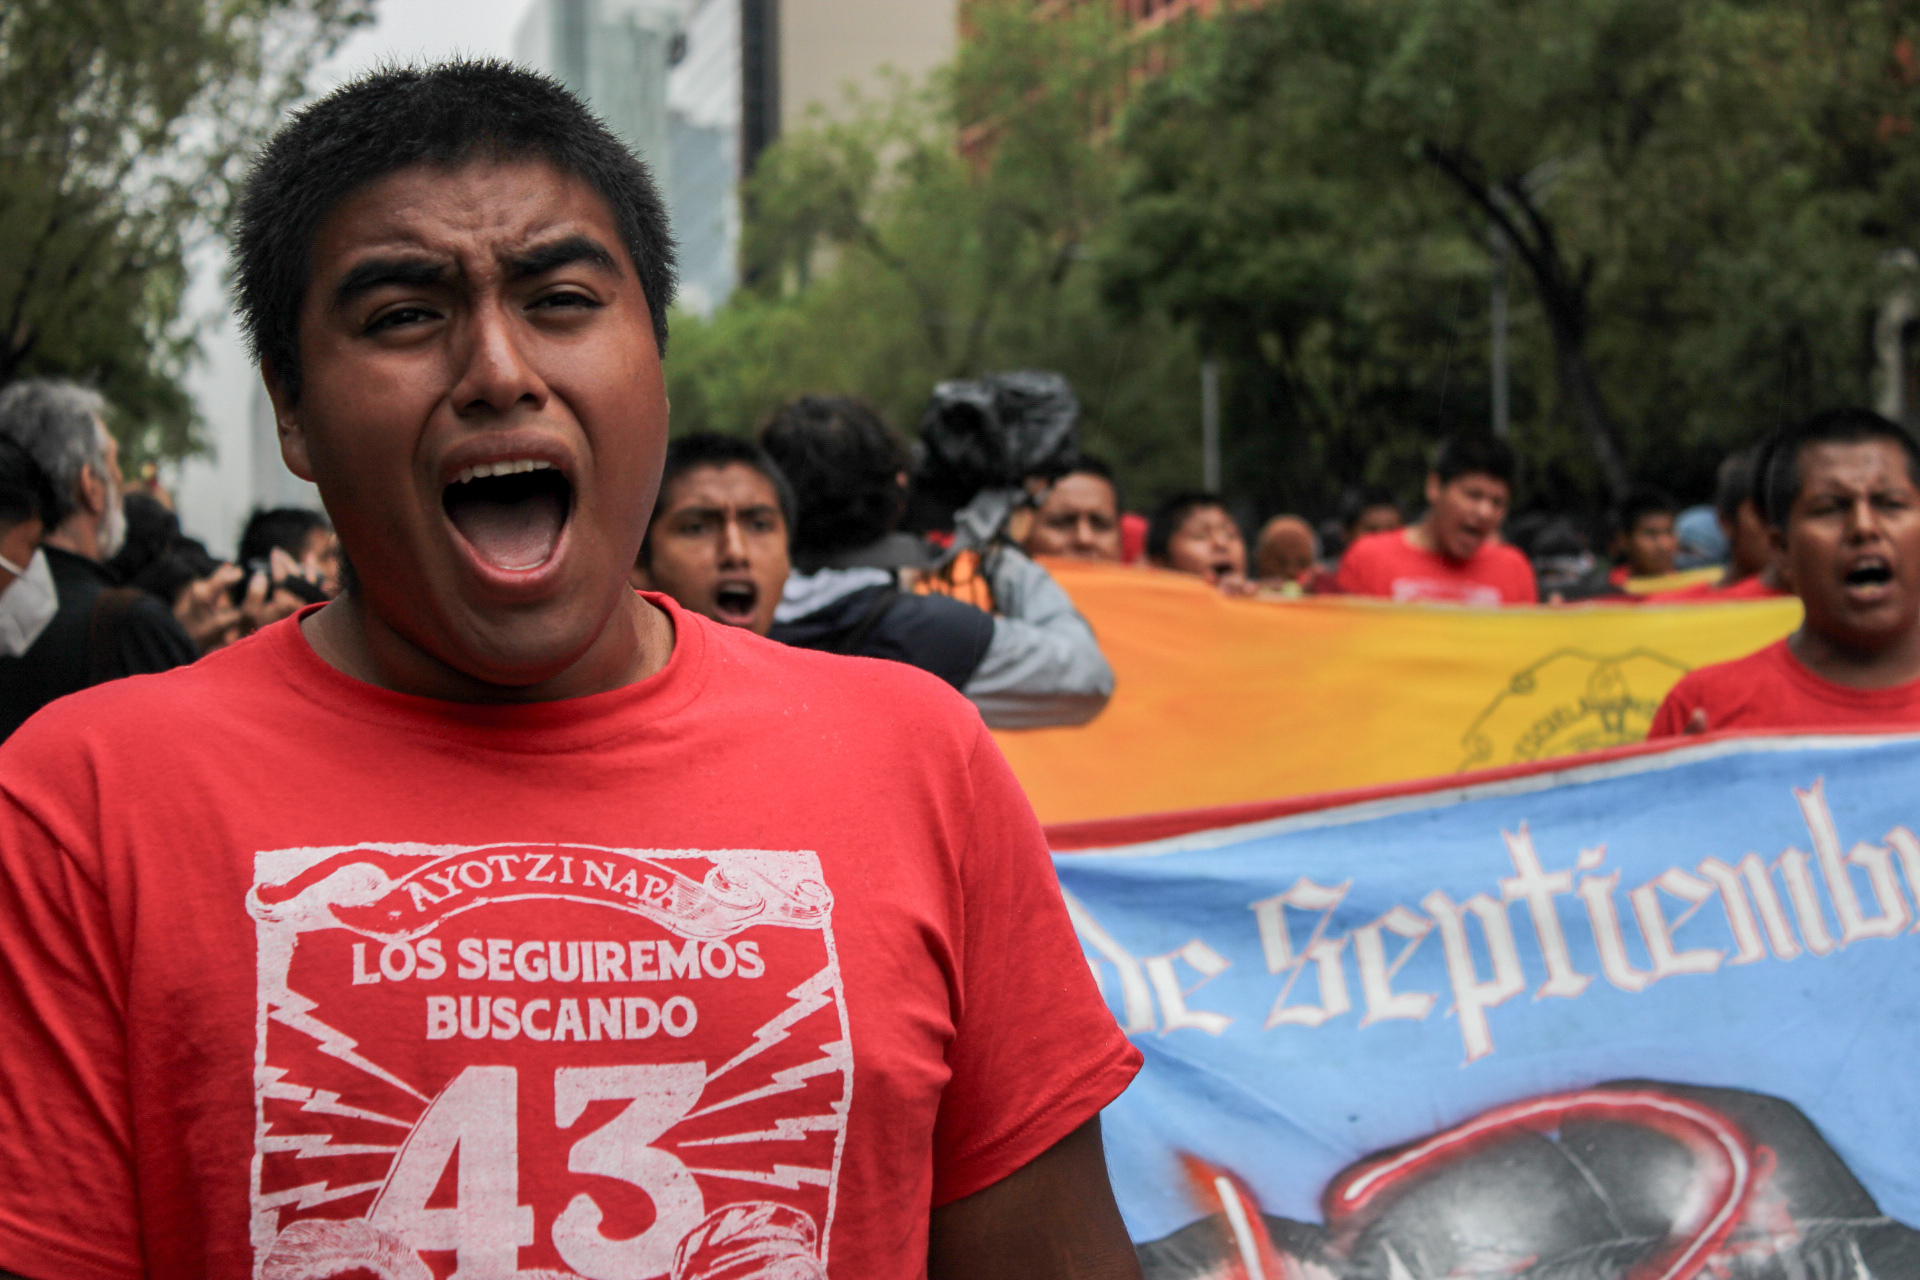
[104,630]
[856,635]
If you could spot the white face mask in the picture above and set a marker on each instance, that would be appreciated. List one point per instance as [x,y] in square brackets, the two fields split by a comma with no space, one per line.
[27,604]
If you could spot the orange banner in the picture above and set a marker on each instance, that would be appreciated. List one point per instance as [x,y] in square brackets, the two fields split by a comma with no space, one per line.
[1223,701]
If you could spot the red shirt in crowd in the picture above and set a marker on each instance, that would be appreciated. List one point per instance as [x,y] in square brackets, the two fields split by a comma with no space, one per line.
[1386,564]
[1751,587]
[760,957]
[1772,689]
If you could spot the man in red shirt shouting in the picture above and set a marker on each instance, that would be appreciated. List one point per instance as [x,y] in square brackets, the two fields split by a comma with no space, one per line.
[496,920]
[1841,494]
[1454,552]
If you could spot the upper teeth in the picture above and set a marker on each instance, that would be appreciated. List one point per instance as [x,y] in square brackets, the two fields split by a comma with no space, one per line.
[515,467]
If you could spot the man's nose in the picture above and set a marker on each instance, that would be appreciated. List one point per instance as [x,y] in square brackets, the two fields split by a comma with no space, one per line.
[733,543]
[492,372]
[1864,519]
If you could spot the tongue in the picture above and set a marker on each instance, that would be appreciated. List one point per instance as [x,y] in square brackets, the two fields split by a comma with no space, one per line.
[512,535]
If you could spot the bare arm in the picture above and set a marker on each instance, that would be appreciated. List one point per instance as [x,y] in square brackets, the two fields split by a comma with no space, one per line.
[1052,1220]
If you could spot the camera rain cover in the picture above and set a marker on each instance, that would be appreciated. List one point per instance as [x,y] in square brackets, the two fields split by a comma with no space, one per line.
[992,432]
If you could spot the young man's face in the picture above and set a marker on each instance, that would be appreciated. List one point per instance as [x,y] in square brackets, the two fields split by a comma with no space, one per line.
[1852,543]
[1464,512]
[1651,545]
[1080,519]
[1208,543]
[483,409]
[719,546]
[1381,517]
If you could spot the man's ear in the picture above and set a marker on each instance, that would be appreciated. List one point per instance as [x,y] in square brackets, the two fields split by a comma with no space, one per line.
[1777,541]
[1433,489]
[286,420]
[90,490]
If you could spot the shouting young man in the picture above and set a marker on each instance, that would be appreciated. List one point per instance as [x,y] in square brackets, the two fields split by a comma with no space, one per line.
[494,919]
[1454,552]
[718,543]
[1841,494]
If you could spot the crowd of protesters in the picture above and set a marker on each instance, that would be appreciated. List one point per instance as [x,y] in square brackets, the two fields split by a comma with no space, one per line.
[98,582]
[456,281]
[799,536]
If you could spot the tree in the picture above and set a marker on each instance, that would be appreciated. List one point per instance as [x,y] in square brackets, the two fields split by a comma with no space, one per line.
[123,128]
[1697,192]
[948,231]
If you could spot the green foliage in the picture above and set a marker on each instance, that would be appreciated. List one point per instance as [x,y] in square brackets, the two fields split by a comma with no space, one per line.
[123,128]
[1700,196]
[882,258]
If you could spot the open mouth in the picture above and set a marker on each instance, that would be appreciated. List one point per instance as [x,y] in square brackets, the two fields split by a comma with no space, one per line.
[1224,569]
[510,513]
[1869,573]
[736,601]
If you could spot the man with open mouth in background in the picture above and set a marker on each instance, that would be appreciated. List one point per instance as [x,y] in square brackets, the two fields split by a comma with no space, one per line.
[718,543]
[494,919]
[1841,495]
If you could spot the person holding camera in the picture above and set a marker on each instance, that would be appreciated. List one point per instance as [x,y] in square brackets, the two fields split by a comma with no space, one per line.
[862,586]
[99,631]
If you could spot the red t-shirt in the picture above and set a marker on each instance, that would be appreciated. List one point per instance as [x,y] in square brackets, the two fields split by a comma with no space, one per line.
[1386,564]
[762,956]
[1771,689]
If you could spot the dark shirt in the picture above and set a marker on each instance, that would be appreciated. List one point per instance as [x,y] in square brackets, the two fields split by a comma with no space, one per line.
[141,637]
[935,633]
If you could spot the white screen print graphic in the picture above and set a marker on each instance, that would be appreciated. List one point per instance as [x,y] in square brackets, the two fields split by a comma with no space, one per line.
[537,1061]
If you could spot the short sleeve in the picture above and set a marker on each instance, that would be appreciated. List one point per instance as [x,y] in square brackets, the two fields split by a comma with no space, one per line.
[1524,588]
[67,1202]
[1677,708]
[1351,578]
[1035,1053]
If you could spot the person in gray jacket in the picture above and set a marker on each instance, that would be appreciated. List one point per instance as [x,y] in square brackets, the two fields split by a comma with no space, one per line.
[798,541]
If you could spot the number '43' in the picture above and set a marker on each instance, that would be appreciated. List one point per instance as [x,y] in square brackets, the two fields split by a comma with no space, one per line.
[478,1114]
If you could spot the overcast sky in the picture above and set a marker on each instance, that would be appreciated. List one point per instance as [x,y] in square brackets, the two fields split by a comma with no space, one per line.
[408,30]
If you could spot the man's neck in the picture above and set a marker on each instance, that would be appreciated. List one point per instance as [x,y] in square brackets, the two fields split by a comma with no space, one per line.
[78,535]
[1420,537]
[635,643]
[1894,664]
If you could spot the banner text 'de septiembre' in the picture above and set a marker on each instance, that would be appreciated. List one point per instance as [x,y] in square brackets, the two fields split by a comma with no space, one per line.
[1227,701]
[1386,1038]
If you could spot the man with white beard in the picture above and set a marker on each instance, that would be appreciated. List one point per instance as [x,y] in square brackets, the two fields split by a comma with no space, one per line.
[98,632]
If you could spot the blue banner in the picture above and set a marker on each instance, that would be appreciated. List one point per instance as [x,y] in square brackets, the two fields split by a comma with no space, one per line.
[1653,1017]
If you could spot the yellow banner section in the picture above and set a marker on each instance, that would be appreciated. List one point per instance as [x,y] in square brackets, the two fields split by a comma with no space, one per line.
[1222,701]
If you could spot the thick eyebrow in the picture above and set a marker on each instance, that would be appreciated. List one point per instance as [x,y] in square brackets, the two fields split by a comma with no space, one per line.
[376,273]
[551,257]
[708,511]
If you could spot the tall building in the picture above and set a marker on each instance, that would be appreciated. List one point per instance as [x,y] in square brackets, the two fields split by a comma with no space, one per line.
[803,55]
[665,76]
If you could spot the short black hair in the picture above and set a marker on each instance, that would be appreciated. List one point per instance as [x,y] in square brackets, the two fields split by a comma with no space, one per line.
[1777,477]
[1084,465]
[287,528]
[1357,502]
[1733,484]
[1642,500]
[399,117]
[1171,514]
[712,449]
[1480,455]
[844,465]
[26,493]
